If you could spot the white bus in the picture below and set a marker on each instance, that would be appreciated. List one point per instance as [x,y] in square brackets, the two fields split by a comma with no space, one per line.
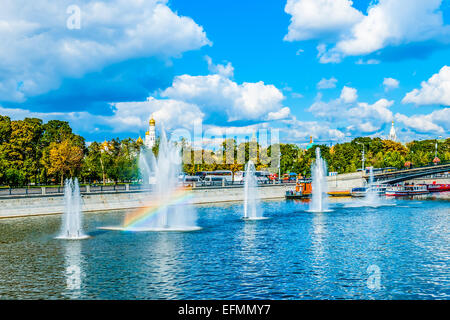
[239,177]
[223,174]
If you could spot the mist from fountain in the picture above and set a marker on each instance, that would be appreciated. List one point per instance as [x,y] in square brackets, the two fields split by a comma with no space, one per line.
[72,218]
[252,209]
[319,201]
[372,199]
[168,207]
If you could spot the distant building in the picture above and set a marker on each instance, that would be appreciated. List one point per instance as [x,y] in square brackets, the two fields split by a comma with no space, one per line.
[310,144]
[150,135]
[392,135]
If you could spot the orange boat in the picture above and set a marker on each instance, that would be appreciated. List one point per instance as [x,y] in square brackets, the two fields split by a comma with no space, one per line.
[346,193]
[303,189]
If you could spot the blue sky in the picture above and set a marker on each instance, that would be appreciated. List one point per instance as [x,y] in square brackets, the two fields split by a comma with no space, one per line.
[333,69]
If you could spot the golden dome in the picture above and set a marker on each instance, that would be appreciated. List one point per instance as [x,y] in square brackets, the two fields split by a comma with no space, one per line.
[139,140]
[147,133]
[152,122]
[105,145]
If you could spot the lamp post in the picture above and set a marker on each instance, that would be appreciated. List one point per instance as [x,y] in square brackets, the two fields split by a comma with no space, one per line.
[363,159]
[279,166]
[104,148]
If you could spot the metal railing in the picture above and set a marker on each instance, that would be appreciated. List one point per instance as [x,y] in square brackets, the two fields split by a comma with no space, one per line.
[87,189]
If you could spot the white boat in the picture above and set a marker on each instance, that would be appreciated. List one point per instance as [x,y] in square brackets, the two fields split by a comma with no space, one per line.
[406,190]
[362,192]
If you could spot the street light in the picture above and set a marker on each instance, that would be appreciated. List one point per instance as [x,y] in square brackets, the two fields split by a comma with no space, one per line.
[279,166]
[363,158]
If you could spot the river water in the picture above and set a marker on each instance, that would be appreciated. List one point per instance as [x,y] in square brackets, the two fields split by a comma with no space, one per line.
[399,251]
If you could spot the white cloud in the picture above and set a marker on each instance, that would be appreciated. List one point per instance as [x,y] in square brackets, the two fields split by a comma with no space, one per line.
[216,93]
[327,56]
[387,23]
[437,122]
[297,131]
[224,70]
[278,115]
[38,50]
[357,117]
[348,94]
[393,22]
[316,18]
[171,113]
[369,61]
[327,83]
[434,91]
[370,117]
[390,83]
[231,131]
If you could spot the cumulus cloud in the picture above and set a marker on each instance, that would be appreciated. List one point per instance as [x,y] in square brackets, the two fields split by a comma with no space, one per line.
[437,122]
[434,91]
[390,83]
[392,22]
[224,70]
[387,23]
[316,18]
[357,117]
[348,94]
[216,93]
[327,83]
[297,130]
[172,113]
[38,50]
[278,115]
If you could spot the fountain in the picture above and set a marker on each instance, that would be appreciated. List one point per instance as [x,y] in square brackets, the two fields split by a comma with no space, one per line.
[168,206]
[252,211]
[72,217]
[319,201]
[371,198]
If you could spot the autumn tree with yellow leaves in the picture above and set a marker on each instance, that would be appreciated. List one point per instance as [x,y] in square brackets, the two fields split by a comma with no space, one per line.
[65,158]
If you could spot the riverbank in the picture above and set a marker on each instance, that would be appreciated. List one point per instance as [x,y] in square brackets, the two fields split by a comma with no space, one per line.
[54,204]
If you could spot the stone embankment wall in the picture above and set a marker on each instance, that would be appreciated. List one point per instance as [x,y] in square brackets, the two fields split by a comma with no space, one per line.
[54,204]
[346,181]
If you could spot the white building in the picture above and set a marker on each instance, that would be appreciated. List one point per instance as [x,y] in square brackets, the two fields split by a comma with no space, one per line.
[392,134]
[150,135]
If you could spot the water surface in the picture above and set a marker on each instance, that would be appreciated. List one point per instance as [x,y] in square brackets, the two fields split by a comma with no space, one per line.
[293,255]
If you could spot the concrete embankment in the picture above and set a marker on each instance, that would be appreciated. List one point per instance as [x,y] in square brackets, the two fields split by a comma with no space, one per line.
[346,181]
[54,204]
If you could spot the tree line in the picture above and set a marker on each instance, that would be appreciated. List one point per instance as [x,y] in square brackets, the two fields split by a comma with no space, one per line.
[34,152]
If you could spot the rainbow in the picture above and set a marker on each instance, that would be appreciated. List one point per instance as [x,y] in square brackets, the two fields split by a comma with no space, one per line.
[141,216]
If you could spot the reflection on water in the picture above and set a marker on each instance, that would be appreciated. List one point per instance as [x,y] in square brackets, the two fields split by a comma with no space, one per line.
[164,265]
[318,238]
[74,271]
[293,255]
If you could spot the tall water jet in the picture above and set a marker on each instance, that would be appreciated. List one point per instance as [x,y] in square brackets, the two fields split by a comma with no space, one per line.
[371,197]
[252,211]
[168,207]
[319,201]
[72,218]
[146,159]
